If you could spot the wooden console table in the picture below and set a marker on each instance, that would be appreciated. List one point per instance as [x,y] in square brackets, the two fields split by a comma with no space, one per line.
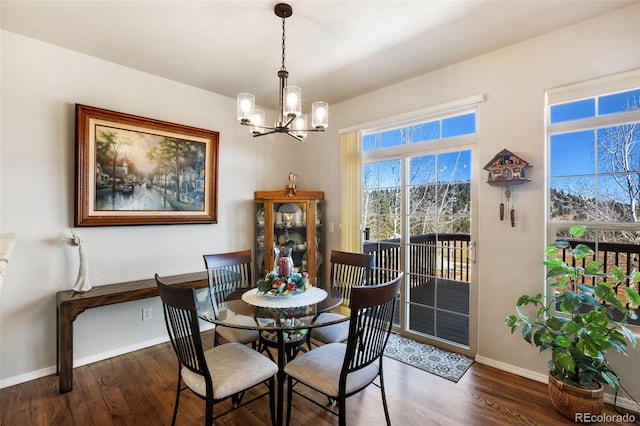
[71,304]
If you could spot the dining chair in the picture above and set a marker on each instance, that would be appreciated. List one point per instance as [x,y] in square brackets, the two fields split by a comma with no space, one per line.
[228,272]
[339,370]
[348,270]
[222,372]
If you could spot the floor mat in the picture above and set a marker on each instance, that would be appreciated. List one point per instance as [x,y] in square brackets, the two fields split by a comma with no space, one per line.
[448,365]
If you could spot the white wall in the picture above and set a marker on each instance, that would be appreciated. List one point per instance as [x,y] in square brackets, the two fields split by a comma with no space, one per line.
[40,85]
[514,80]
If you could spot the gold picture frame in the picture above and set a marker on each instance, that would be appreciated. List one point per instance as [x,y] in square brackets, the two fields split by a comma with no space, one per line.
[132,170]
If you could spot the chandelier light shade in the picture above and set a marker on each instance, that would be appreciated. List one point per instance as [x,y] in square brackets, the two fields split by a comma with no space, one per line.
[246,107]
[257,121]
[293,103]
[300,126]
[320,114]
[291,120]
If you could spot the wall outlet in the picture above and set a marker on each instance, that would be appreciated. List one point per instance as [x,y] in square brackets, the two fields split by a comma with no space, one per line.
[146,314]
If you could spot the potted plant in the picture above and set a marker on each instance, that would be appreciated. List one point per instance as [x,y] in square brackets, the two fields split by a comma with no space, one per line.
[578,323]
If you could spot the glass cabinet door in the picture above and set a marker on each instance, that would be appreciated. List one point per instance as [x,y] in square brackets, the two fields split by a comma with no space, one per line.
[290,232]
[319,241]
[295,224]
[260,240]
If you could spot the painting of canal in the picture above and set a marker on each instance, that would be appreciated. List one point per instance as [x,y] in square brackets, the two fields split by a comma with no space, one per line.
[132,170]
[144,171]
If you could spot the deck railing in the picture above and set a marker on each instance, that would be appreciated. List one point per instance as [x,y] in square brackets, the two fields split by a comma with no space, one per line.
[439,270]
[431,255]
[446,256]
[625,256]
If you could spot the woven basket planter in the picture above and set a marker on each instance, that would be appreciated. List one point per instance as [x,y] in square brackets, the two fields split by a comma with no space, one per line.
[569,400]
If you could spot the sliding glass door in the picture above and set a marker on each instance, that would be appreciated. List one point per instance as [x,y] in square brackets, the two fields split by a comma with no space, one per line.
[438,218]
[417,218]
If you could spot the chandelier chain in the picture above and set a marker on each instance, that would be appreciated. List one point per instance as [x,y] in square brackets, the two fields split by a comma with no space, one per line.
[283,46]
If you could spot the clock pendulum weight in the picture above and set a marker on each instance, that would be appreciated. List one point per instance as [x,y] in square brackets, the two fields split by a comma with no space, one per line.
[512,212]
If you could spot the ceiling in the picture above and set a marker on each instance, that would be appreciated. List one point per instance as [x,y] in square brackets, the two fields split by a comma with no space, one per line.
[335,50]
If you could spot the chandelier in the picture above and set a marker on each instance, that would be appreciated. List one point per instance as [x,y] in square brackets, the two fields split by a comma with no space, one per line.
[290,118]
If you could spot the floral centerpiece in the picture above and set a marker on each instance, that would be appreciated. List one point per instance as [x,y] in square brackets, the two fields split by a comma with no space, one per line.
[275,285]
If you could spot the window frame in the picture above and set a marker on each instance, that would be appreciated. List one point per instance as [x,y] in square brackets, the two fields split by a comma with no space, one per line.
[575,92]
[596,88]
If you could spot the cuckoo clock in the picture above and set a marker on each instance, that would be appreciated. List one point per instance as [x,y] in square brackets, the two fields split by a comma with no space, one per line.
[507,169]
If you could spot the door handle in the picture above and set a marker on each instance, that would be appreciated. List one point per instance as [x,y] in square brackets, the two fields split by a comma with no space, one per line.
[472,251]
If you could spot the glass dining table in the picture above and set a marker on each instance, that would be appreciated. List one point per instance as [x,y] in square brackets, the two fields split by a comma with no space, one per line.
[283,322]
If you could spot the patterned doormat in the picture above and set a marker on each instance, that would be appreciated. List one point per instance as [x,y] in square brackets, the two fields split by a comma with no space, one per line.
[448,365]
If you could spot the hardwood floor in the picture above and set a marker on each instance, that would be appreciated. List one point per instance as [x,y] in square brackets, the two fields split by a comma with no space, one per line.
[139,389]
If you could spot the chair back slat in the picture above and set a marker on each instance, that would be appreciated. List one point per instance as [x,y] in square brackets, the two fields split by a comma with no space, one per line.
[372,309]
[230,278]
[227,272]
[181,318]
[350,270]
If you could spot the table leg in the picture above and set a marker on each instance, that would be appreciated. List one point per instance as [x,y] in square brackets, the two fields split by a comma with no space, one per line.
[57,340]
[65,349]
[281,377]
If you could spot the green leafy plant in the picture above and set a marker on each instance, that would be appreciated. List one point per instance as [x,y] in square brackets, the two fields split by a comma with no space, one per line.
[592,318]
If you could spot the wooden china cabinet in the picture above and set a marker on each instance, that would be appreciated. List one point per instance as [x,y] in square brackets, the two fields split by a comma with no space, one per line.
[295,222]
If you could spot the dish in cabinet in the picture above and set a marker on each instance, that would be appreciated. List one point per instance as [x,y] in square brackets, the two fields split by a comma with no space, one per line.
[290,238]
[291,214]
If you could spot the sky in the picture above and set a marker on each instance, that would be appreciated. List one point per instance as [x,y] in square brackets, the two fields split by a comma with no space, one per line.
[579,162]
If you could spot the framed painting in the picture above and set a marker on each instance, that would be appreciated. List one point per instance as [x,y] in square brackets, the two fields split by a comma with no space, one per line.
[133,170]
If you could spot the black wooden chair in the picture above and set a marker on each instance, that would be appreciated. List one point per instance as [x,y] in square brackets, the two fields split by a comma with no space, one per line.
[228,272]
[348,270]
[339,370]
[222,372]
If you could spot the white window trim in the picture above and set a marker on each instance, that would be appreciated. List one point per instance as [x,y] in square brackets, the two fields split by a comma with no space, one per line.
[596,87]
[424,114]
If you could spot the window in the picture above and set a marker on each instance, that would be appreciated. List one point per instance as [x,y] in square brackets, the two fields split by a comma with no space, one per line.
[594,159]
[427,149]
[428,131]
[593,135]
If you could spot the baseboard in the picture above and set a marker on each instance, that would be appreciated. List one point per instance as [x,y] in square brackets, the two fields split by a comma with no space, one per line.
[119,351]
[43,372]
[27,377]
[621,402]
[542,378]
